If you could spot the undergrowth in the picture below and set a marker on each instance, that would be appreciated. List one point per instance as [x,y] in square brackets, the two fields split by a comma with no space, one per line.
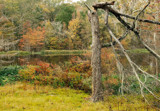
[9,74]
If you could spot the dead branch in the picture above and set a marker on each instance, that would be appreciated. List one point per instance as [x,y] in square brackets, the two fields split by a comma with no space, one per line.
[131,64]
[136,18]
[119,65]
[139,38]
[150,75]
[102,5]
[120,39]
[120,69]
[114,42]
[116,13]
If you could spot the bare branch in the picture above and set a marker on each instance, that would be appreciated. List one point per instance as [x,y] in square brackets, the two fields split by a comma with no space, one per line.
[140,14]
[139,38]
[116,13]
[131,64]
[120,68]
[102,5]
[140,20]
[114,42]
[145,72]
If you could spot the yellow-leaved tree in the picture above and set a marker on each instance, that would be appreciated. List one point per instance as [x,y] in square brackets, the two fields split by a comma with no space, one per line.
[75,40]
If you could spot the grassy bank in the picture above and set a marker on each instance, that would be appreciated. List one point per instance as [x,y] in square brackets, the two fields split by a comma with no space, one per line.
[64,52]
[47,52]
[137,51]
[22,96]
[18,53]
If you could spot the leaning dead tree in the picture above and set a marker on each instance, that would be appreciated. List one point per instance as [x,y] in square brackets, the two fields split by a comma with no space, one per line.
[97,92]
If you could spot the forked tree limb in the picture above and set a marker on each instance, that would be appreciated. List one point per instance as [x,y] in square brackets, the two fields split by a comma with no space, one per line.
[116,13]
[120,38]
[137,33]
[114,42]
[136,18]
[118,16]
[139,38]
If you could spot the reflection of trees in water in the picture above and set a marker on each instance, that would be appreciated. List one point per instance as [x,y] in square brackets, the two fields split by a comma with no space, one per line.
[144,60]
[33,59]
[7,59]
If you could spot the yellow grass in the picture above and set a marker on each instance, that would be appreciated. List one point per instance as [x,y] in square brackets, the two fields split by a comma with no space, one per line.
[25,97]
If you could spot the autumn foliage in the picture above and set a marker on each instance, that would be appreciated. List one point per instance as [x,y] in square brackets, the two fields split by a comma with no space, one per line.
[33,39]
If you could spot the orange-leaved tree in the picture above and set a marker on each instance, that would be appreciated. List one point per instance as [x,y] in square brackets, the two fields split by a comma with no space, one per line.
[33,39]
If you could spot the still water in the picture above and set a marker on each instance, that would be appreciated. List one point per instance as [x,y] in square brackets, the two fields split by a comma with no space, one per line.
[143,59]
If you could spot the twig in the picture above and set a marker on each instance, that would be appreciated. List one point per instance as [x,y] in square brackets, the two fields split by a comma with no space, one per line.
[136,18]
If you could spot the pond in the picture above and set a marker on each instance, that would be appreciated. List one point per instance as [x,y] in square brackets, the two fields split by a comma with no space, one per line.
[145,60]
[33,59]
[142,59]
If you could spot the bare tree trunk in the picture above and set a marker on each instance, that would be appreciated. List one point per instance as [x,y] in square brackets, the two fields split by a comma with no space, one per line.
[96,59]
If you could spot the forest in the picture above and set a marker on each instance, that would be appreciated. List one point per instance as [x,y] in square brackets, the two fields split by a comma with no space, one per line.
[79,55]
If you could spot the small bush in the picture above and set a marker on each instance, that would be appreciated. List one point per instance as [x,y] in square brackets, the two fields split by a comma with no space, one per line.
[9,74]
[39,74]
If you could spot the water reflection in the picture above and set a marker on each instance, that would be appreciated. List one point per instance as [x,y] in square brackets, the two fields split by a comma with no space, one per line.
[146,61]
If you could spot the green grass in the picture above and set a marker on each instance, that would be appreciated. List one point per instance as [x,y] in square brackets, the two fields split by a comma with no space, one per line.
[138,51]
[25,97]
[47,52]
[64,52]
[19,53]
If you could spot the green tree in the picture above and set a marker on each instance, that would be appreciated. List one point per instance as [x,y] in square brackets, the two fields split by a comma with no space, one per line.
[64,13]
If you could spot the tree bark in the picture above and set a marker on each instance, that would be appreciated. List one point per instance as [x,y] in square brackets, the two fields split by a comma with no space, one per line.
[97,92]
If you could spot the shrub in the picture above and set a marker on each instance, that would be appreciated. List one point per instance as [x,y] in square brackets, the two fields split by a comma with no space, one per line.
[39,74]
[47,74]
[9,74]
[112,84]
